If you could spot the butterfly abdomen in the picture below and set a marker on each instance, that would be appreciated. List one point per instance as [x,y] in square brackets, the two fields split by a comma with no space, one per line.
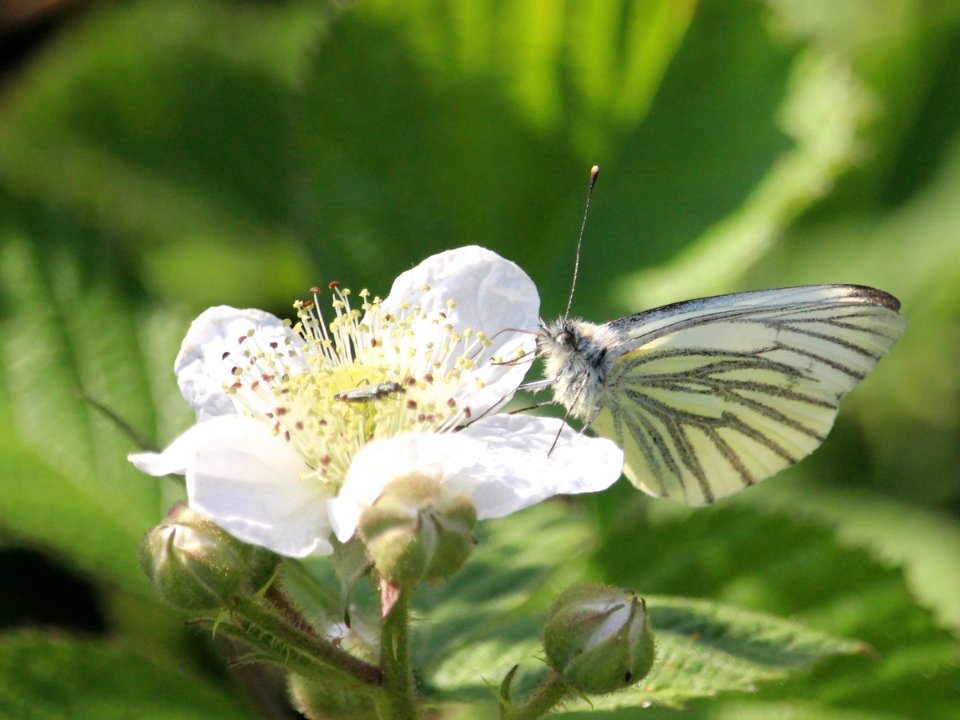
[577,356]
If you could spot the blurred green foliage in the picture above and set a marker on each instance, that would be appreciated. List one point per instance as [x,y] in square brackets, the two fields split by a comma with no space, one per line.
[159,156]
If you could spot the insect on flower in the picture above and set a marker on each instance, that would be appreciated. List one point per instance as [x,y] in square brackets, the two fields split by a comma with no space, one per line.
[369,392]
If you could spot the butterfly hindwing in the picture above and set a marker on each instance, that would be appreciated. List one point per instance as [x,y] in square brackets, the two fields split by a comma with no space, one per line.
[709,396]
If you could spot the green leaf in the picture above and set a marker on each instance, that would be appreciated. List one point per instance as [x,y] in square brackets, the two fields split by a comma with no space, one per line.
[847,92]
[823,113]
[55,677]
[69,332]
[794,710]
[175,123]
[712,136]
[924,544]
[180,113]
[750,709]
[704,648]
[473,638]
[497,111]
[750,554]
[602,87]
[514,568]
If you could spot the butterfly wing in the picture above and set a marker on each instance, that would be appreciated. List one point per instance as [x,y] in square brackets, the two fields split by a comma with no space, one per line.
[709,396]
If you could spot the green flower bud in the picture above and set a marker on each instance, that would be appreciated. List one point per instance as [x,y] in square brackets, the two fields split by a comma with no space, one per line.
[599,638]
[195,565]
[417,530]
[323,701]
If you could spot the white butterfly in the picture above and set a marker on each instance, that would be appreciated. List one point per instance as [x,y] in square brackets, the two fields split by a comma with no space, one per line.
[709,396]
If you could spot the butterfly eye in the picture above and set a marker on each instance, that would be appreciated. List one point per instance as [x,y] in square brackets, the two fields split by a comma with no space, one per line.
[565,338]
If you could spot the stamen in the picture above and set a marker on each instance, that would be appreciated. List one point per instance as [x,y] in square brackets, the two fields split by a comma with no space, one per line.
[299,385]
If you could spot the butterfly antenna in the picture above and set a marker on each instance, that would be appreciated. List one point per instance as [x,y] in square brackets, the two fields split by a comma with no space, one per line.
[594,174]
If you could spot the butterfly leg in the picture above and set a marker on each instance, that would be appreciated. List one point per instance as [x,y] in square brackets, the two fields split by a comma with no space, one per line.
[566,415]
[536,385]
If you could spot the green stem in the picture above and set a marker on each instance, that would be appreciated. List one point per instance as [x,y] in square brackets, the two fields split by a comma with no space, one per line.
[542,700]
[398,702]
[293,662]
[256,620]
[286,607]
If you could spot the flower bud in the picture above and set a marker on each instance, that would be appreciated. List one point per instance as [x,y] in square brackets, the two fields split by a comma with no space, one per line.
[194,565]
[328,701]
[599,638]
[417,530]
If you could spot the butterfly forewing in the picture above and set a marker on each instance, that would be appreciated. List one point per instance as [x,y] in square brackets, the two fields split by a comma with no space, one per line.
[710,396]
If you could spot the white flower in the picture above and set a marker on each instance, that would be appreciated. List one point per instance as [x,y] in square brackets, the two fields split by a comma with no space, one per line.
[300,427]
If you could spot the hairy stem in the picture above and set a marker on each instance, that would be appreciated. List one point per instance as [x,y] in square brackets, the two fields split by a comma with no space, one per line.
[398,702]
[258,623]
[541,701]
[288,609]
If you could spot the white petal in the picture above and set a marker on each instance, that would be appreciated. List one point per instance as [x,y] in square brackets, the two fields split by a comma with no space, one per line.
[517,468]
[383,461]
[491,294]
[201,368]
[182,452]
[252,483]
[248,481]
[501,463]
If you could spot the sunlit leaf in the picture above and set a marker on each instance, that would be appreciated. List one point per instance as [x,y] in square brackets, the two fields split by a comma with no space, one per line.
[703,649]
[770,551]
[924,544]
[68,485]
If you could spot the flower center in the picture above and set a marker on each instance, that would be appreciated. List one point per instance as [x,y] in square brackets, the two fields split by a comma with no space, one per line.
[330,389]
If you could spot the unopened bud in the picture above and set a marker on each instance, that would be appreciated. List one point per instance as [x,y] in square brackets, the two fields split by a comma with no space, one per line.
[418,530]
[326,701]
[195,565]
[599,638]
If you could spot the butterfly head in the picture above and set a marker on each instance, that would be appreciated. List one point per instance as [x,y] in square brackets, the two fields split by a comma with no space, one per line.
[576,356]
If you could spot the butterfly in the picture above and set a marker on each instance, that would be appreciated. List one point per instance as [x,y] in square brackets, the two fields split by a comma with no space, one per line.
[710,396]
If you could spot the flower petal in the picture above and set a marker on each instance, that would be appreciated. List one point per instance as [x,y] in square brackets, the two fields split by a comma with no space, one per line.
[502,463]
[254,485]
[518,469]
[249,482]
[490,294]
[181,454]
[381,462]
[212,349]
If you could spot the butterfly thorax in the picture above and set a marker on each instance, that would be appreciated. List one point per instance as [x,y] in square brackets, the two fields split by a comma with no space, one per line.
[577,356]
